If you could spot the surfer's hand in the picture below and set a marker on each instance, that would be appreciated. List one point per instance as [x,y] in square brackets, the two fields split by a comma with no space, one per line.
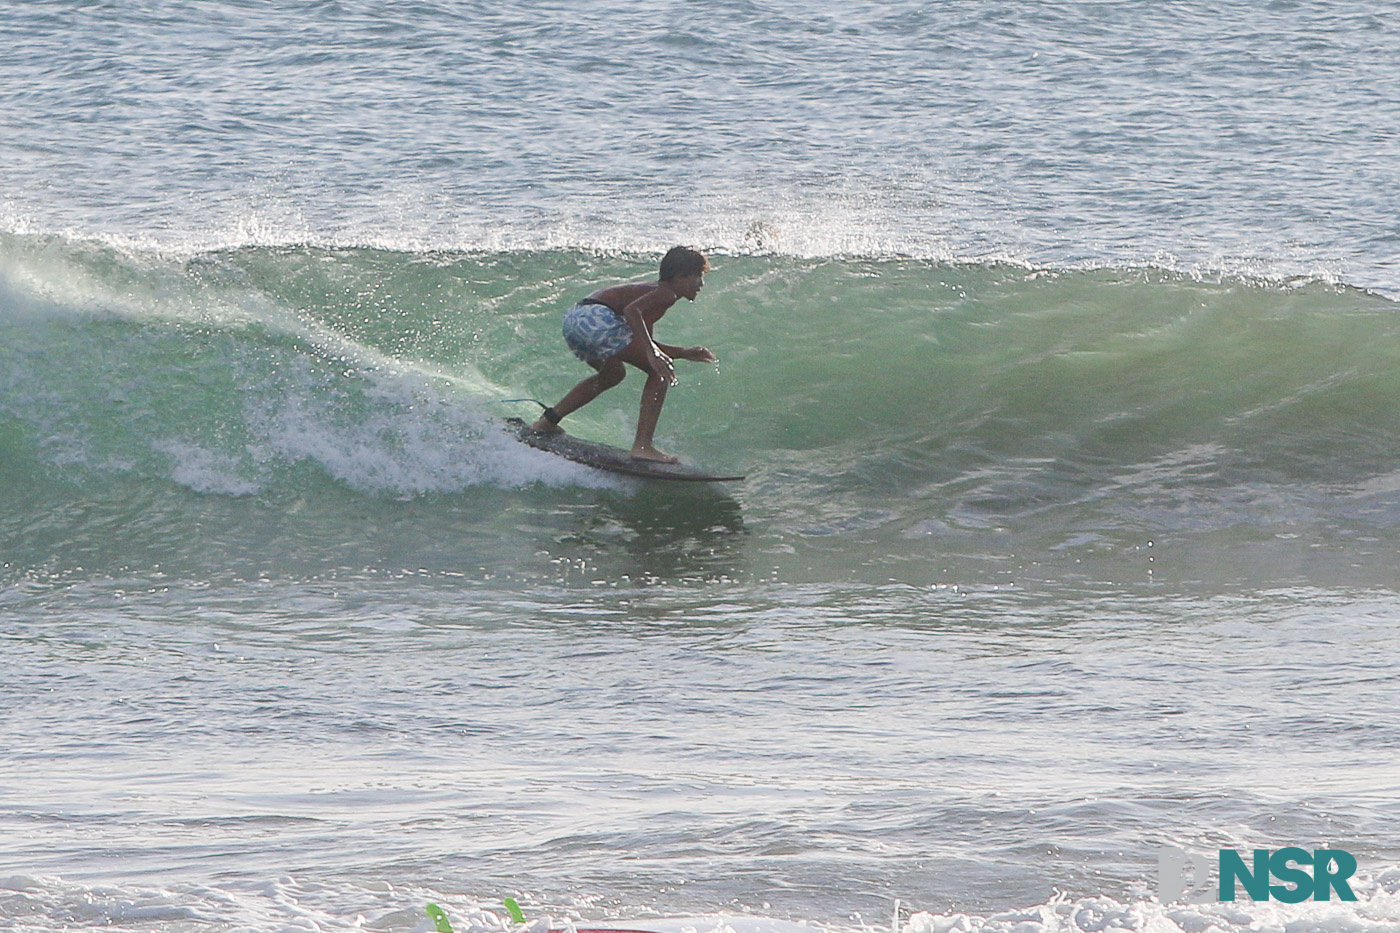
[698,355]
[663,367]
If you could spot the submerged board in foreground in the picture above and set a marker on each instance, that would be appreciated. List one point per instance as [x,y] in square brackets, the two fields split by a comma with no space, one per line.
[612,459]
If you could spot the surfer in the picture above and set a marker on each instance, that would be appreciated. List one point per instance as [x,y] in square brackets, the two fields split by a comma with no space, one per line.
[614,326]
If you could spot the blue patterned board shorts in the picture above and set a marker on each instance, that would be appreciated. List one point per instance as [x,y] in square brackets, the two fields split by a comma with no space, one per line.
[595,332]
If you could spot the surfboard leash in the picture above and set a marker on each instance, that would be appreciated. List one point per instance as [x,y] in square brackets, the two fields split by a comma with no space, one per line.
[550,415]
[504,401]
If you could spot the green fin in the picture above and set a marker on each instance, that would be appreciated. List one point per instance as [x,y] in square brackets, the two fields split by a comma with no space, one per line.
[439,917]
[514,909]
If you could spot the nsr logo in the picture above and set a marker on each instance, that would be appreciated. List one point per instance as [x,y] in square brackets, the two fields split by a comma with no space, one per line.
[1186,873]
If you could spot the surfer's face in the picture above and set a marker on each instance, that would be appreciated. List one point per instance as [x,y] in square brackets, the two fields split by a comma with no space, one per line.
[688,286]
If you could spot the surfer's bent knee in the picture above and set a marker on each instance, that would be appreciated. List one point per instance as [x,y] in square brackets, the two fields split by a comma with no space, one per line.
[610,373]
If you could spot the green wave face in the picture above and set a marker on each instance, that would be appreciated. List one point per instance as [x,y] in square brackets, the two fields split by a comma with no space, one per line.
[879,401]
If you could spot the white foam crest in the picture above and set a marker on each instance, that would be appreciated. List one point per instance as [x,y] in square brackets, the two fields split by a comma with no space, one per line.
[34,903]
[416,440]
[1376,910]
[841,223]
[410,433]
[206,471]
[46,902]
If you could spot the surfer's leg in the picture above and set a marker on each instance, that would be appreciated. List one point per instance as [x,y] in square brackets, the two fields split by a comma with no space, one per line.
[610,373]
[653,397]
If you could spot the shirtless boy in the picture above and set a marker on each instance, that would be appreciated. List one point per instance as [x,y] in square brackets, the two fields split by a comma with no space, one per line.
[614,326]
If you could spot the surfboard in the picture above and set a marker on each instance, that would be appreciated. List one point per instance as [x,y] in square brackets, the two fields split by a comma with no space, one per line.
[611,459]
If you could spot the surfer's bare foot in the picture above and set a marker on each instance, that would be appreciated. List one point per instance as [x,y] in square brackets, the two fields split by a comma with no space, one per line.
[651,453]
[545,426]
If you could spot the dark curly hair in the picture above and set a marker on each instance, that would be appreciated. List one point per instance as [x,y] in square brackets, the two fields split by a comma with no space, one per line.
[681,260]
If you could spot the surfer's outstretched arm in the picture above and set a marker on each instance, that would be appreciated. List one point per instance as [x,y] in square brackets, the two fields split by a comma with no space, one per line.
[694,354]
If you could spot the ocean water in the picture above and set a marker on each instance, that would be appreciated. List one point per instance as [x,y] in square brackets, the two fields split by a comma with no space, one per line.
[1058,342]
